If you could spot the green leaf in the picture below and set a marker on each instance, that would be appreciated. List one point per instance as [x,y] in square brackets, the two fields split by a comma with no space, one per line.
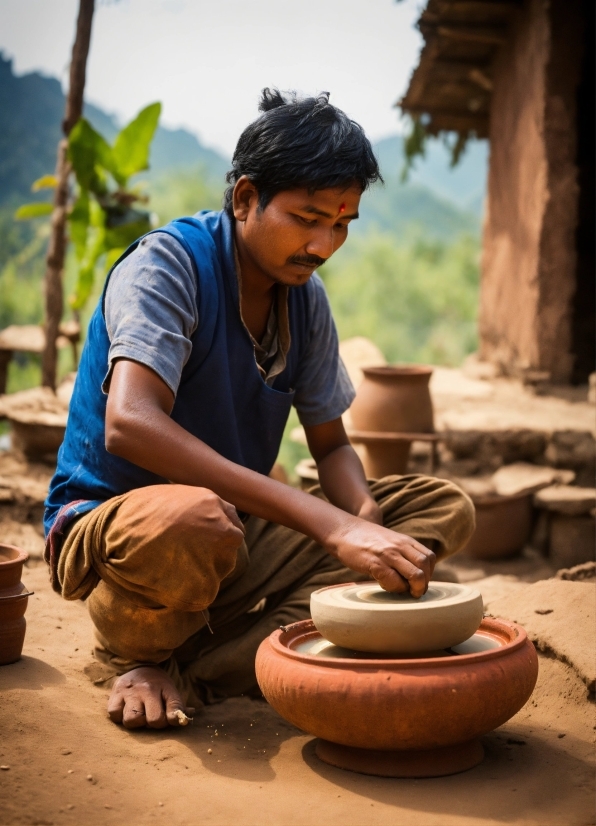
[78,221]
[131,148]
[45,182]
[37,210]
[96,247]
[87,151]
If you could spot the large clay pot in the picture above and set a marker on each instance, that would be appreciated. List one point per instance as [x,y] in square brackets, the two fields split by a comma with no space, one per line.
[398,717]
[13,603]
[395,398]
[503,526]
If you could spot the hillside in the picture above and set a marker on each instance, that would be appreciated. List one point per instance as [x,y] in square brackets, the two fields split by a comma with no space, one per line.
[31,111]
[184,174]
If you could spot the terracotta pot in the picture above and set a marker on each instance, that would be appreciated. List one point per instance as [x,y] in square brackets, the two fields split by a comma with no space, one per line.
[13,603]
[503,526]
[395,398]
[401,717]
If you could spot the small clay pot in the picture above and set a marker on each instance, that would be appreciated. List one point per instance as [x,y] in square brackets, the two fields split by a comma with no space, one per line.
[398,717]
[394,398]
[503,526]
[13,603]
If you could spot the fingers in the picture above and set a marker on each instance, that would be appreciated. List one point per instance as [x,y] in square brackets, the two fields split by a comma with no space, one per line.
[115,707]
[391,569]
[232,515]
[134,713]
[410,561]
[173,707]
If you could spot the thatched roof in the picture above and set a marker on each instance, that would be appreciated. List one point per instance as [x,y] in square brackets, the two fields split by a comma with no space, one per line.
[452,83]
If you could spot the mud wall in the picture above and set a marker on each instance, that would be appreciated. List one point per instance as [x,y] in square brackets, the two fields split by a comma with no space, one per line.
[529,258]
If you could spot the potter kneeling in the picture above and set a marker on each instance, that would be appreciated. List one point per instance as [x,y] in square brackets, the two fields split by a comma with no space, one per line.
[161,514]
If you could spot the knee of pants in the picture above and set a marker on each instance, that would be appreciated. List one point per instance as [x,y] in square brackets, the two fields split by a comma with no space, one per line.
[172,544]
[138,633]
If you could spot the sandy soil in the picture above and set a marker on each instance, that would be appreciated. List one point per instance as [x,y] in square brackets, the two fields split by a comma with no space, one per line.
[68,764]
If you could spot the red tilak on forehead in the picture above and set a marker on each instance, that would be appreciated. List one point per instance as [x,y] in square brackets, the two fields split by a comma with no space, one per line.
[342,208]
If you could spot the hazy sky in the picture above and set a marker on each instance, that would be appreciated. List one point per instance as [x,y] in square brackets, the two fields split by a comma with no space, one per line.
[207,61]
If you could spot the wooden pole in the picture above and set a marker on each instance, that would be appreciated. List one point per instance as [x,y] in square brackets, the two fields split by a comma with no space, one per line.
[54,301]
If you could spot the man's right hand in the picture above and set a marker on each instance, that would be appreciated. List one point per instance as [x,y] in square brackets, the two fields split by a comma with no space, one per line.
[396,561]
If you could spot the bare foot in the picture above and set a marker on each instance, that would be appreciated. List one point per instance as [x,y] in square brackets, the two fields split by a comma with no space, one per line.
[147,697]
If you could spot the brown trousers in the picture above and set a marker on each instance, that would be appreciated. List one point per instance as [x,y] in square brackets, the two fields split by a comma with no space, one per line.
[152,580]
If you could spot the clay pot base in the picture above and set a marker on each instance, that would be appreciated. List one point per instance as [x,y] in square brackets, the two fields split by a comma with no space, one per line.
[426,763]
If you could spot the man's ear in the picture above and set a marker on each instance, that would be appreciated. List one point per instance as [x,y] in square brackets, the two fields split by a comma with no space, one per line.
[244,197]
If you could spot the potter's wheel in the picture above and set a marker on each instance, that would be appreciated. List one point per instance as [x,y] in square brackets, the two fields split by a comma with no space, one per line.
[363,617]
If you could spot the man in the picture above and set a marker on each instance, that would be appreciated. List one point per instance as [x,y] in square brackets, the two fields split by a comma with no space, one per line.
[161,513]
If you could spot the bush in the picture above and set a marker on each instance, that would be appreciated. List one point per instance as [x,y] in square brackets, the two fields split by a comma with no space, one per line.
[416,299]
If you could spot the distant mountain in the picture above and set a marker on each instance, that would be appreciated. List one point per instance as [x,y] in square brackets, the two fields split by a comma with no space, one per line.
[438,201]
[464,184]
[31,112]
[401,209]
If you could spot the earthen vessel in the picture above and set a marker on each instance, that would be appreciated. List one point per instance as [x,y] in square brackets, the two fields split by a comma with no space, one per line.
[398,717]
[392,400]
[364,617]
[395,398]
[503,526]
[13,603]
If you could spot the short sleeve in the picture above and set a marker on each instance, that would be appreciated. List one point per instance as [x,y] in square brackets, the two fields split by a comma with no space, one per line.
[151,309]
[323,388]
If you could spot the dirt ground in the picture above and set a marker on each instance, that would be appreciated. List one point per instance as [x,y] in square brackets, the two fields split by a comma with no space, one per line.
[68,764]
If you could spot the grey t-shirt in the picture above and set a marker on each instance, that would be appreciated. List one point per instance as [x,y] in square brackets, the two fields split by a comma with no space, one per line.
[151,314]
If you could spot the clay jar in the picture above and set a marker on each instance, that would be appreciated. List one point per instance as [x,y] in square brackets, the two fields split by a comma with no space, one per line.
[392,399]
[395,398]
[13,603]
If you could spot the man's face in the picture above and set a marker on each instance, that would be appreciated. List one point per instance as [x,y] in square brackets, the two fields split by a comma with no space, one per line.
[295,233]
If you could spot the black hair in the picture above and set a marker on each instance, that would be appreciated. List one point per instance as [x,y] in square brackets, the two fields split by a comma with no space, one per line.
[301,142]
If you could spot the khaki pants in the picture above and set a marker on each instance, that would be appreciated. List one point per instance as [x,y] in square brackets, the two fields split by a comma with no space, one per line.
[152,580]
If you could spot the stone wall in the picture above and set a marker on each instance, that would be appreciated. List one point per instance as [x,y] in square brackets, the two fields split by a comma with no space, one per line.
[529,259]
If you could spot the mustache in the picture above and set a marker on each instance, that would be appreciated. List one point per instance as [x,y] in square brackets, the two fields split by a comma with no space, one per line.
[307,260]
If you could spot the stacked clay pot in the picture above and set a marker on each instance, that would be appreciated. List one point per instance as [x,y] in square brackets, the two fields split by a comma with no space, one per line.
[392,399]
[13,603]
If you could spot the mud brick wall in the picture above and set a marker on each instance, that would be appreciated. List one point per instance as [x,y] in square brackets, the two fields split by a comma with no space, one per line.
[529,257]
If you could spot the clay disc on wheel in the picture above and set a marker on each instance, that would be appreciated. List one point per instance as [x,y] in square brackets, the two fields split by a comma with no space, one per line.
[364,617]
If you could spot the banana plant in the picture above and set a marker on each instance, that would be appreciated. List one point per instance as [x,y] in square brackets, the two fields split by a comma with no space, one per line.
[104,217]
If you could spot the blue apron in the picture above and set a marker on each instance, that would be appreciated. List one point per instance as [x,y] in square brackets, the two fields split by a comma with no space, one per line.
[222,398]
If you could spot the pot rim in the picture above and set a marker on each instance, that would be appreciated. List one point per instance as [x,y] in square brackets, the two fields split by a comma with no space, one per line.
[387,371]
[306,628]
[22,556]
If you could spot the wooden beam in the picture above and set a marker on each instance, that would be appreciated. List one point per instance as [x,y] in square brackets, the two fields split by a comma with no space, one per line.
[474,34]
[481,79]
